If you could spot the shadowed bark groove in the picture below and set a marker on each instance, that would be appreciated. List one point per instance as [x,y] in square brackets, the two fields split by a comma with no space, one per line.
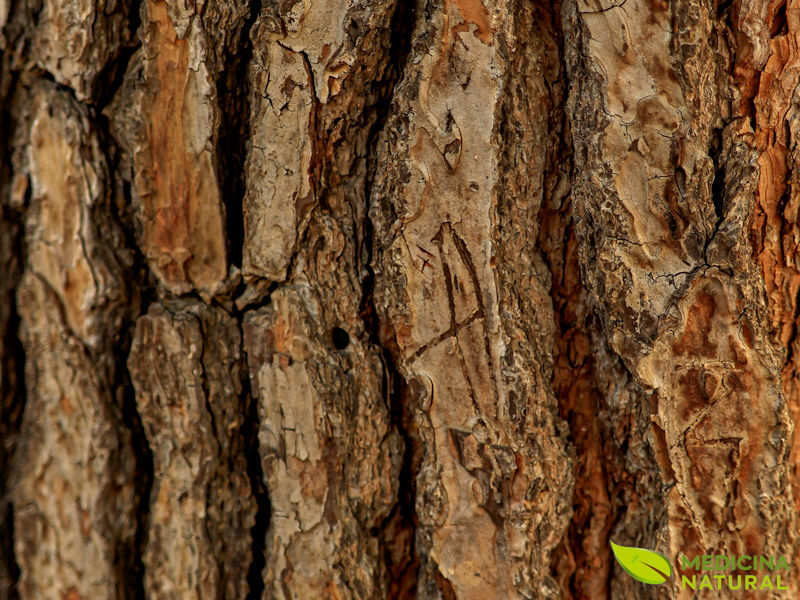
[12,357]
[397,531]
[581,565]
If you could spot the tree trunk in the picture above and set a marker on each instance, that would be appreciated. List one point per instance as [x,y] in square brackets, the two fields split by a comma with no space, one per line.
[395,299]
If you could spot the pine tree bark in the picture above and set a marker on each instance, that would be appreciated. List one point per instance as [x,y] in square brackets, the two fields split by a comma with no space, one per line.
[395,299]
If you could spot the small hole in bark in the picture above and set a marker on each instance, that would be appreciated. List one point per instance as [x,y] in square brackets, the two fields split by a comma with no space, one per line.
[341,339]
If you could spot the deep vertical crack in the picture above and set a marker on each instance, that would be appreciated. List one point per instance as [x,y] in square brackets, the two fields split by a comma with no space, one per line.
[110,79]
[233,95]
[141,292]
[580,563]
[402,569]
[12,353]
[134,571]
[234,91]
[249,432]
[717,188]
[12,406]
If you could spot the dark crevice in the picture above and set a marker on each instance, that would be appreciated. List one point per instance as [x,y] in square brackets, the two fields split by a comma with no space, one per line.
[234,91]
[258,532]
[13,397]
[722,8]
[110,79]
[717,189]
[233,95]
[141,291]
[12,568]
[718,185]
[580,564]
[403,563]
[13,392]
[779,24]
[133,573]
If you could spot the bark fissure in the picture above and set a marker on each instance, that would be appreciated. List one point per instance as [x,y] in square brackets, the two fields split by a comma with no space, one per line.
[142,293]
[234,88]
[581,564]
[249,431]
[398,529]
[12,353]
[12,386]
[134,574]
[112,76]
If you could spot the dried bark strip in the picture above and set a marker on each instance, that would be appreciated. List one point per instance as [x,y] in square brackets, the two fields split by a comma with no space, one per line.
[169,126]
[665,186]
[73,488]
[330,454]
[187,372]
[462,294]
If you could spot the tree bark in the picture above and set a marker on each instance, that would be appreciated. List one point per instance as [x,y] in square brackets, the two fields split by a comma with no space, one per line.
[395,299]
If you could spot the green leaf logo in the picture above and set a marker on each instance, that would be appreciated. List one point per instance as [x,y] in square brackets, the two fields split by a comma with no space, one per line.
[641,564]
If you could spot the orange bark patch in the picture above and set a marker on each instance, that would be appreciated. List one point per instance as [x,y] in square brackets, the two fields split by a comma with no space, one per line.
[183,220]
[774,226]
[473,12]
[696,339]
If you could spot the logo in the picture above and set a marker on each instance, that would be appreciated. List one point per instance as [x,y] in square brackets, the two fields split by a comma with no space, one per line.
[642,564]
[711,571]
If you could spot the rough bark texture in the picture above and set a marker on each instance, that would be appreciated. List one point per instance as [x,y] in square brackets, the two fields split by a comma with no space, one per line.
[395,299]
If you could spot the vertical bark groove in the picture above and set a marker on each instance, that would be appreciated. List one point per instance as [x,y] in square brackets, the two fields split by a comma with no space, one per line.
[398,529]
[258,533]
[12,357]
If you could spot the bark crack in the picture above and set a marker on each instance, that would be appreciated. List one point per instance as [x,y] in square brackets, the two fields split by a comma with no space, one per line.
[402,562]
[134,571]
[249,431]
[233,93]
[13,398]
